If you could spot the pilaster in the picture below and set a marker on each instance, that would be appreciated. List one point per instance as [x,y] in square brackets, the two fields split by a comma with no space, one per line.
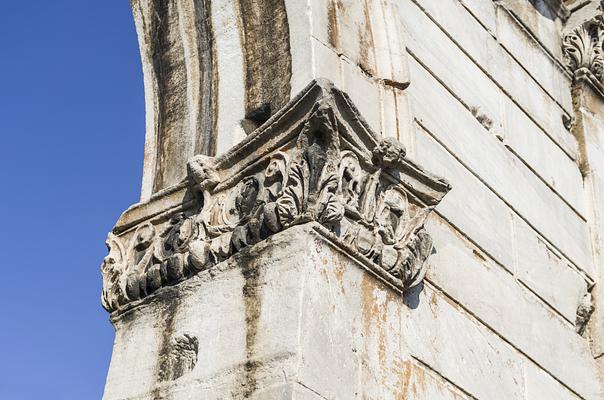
[218,281]
[583,48]
[214,71]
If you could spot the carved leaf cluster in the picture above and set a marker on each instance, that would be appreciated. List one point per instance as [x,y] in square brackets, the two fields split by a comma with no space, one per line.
[583,48]
[358,196]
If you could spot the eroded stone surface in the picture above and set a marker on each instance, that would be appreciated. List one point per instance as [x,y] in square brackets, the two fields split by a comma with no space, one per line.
[328,167]
[269,252]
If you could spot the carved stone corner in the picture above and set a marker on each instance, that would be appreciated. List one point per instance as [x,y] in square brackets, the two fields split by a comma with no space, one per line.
[315,161]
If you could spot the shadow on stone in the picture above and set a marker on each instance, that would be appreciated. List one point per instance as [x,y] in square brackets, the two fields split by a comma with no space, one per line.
[411,296]
[546,8]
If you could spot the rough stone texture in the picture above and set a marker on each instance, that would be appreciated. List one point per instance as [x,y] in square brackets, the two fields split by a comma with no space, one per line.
[282,240]
[298,311]
[216,70]
[315,160]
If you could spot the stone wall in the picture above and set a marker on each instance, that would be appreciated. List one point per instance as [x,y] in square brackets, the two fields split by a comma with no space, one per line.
[491,100]
[479,92]
[490,96]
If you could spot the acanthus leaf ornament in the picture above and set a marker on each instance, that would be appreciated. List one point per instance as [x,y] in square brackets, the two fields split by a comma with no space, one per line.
[583,49]
[316,161]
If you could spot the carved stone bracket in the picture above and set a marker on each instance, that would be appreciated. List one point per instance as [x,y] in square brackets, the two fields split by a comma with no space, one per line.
[315,161]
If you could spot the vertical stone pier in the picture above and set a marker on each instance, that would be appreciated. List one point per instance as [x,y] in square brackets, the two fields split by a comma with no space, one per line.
[216,70]
[276,270]
[349,199]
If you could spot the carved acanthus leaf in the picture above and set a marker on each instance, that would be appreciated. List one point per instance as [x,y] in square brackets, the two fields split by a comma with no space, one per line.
[328,168]
[112,271]
[583,48]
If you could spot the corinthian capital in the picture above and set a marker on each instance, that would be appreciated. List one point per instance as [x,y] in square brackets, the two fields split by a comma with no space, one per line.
[583,49]
[315,162]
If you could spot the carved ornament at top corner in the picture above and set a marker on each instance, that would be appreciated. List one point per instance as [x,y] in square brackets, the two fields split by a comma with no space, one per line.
[372,199]
[583,48]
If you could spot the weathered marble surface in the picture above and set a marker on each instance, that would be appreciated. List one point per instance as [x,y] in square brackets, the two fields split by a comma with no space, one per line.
[315,160]
[314,170]
[295,316]
[216,70]
[502,98]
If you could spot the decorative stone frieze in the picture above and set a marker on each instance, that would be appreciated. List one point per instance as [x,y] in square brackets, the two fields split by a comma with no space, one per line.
[315,161]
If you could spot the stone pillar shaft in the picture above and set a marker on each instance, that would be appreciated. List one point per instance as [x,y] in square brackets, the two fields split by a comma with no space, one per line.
[212,284]
[217,69]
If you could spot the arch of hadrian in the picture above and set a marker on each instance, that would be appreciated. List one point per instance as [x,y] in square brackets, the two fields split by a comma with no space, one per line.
[364,199]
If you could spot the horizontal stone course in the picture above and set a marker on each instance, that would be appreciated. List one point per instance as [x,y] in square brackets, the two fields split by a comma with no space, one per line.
[483,11]
[494,296]
[527,141]
[546,29]
[516,75]
[454,127]
[436,52]
[545,273]
[546,70]
[532,39]
[458,348]
[540,385]
[471,203]
[478,44]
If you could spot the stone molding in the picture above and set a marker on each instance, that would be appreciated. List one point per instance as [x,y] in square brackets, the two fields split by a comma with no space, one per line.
[315,161]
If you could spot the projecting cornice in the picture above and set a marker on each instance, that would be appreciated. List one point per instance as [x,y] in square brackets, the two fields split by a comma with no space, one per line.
[316,161]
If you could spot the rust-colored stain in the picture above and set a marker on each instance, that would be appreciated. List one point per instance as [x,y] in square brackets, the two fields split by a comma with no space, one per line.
[415,383]
[433,304]
[404,380]
[376,325]
[412,382]
[479,255]
[339,268]
[333,30]
[339,274]
[369,307]
[366,44]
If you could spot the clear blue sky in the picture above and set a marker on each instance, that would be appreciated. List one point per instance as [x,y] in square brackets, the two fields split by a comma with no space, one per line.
[71,147]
